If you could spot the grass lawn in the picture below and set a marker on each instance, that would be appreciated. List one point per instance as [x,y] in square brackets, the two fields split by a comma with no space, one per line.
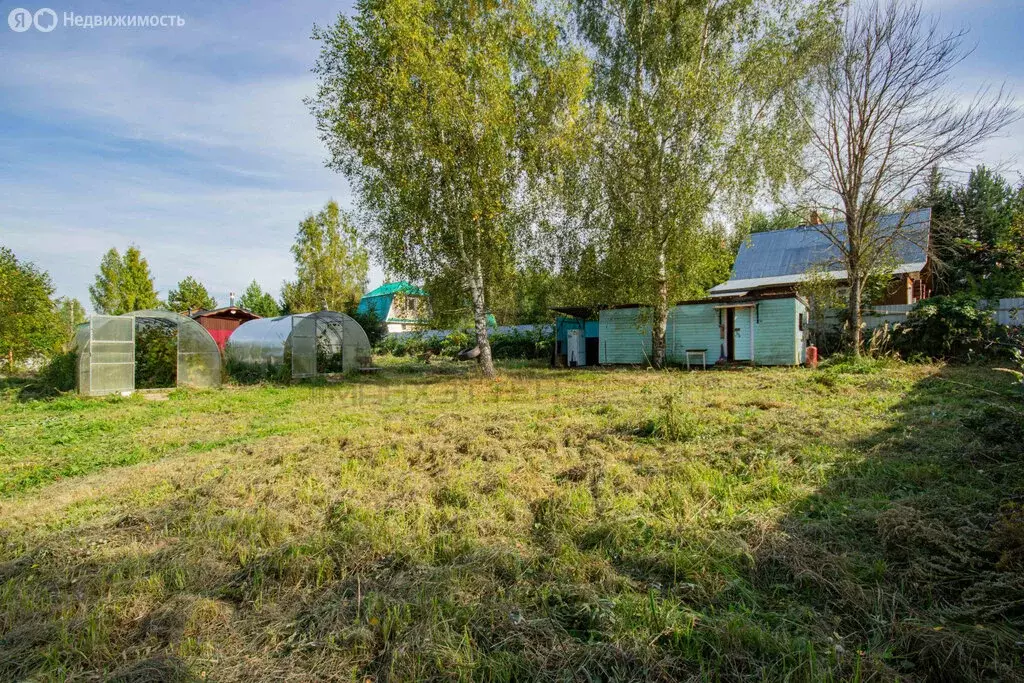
[853,523]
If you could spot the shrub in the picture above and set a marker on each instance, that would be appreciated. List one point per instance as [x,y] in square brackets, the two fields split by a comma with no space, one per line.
[156,353]
[508,345]
[522,345]
[948,327]
[61,373]
[254,373]
[375,328]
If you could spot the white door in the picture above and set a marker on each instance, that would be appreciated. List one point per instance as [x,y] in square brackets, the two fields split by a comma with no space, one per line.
[574,348]
[742,329]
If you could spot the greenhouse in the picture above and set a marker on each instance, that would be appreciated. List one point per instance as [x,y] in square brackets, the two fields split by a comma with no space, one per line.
[298,346]
[142,350]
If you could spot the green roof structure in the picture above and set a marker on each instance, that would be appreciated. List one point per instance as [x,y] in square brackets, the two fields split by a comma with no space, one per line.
[380,299]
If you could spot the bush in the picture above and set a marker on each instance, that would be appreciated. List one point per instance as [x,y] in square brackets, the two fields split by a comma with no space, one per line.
[511,345]
[254,373]
[947,327]
[156,353]
[375,328]
[522,345]
[61,373]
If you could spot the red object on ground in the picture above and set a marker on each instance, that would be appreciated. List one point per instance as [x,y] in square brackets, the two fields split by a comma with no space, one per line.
[812,356]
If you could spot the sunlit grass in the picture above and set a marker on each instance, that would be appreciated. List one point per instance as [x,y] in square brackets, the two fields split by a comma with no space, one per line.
[849,523]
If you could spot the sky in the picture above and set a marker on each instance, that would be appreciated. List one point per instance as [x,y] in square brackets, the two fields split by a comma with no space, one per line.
[192,142]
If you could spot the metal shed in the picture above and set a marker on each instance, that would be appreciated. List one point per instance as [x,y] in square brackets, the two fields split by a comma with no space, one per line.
[107,347]
[298,346]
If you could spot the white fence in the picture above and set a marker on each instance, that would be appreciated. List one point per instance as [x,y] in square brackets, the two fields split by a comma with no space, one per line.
[1008,312]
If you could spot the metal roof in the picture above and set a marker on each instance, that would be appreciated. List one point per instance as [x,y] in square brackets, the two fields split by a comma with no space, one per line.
[781,257]
[379,300]
[396,287]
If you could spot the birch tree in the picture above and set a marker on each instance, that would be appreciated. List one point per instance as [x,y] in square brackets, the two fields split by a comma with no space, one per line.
[886,114]
[699,104]
[440,112]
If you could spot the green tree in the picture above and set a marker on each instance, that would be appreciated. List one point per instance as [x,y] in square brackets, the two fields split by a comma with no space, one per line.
[70,314]
[123,284]
[259,302]
[977,234]
[699,104]
[330,263]
[883,120]
[190,295]
[443,115]
[28,321]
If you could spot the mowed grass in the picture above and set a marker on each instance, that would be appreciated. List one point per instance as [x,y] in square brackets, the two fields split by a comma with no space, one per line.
[853,523]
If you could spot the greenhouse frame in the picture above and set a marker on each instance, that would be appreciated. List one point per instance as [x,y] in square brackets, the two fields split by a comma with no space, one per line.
[300,346]
[107,346]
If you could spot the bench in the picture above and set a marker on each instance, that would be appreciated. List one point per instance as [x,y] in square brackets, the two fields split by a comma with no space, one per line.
[703,357]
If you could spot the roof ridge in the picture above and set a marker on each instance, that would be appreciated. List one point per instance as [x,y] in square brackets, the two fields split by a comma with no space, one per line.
[804,226]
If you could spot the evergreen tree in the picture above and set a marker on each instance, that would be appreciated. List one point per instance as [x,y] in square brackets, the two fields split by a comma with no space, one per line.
[259,302]
[190,296]
[977,236]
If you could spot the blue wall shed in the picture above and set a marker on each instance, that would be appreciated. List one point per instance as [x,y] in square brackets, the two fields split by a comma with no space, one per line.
[770,329]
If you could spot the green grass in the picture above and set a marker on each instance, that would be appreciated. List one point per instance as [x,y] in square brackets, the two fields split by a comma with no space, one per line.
[860,522]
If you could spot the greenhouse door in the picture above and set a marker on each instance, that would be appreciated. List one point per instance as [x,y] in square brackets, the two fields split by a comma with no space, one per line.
[111,355]
[304,346]
[198,362]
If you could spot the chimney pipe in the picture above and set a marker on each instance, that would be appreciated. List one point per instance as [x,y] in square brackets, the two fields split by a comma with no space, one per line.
[815,218]
[231,299]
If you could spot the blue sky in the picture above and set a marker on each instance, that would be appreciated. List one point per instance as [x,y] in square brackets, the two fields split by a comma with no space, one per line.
[193,143]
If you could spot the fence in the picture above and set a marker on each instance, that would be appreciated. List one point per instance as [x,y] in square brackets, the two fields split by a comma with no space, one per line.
[1009,312]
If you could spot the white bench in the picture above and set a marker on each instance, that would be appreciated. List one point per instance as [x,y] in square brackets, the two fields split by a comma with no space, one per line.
[703,357]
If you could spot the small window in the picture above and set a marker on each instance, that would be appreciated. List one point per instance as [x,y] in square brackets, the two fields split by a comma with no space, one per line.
[801,322]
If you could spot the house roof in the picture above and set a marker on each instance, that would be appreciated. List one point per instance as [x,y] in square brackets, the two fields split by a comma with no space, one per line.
[379,300]
[228,310]
[392,288]
[783,257]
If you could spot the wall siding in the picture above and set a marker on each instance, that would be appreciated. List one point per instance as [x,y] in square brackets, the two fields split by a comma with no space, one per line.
[777,337]
[777,334]
[625,336]
[694,326]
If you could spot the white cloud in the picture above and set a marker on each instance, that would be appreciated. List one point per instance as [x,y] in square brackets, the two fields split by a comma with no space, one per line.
[138,140]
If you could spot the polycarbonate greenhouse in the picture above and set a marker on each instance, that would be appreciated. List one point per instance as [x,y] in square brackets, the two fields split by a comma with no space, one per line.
[298,346]
[148,348]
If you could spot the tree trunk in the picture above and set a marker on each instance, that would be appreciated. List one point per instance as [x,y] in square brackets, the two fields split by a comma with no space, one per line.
[854,313]
[659,325]
[476,287]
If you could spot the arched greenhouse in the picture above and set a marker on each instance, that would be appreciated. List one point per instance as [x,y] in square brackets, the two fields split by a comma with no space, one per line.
[144,349]
[297,346]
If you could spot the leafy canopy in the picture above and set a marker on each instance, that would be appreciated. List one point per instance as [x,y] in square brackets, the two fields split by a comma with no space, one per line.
[29,326]
[698,104]
[123,284]
[977,234]
[190,296]
[442,114]
[330,263]
[259,302]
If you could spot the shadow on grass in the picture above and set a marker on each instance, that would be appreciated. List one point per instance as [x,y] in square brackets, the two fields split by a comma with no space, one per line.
[908,562]
[911,557]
